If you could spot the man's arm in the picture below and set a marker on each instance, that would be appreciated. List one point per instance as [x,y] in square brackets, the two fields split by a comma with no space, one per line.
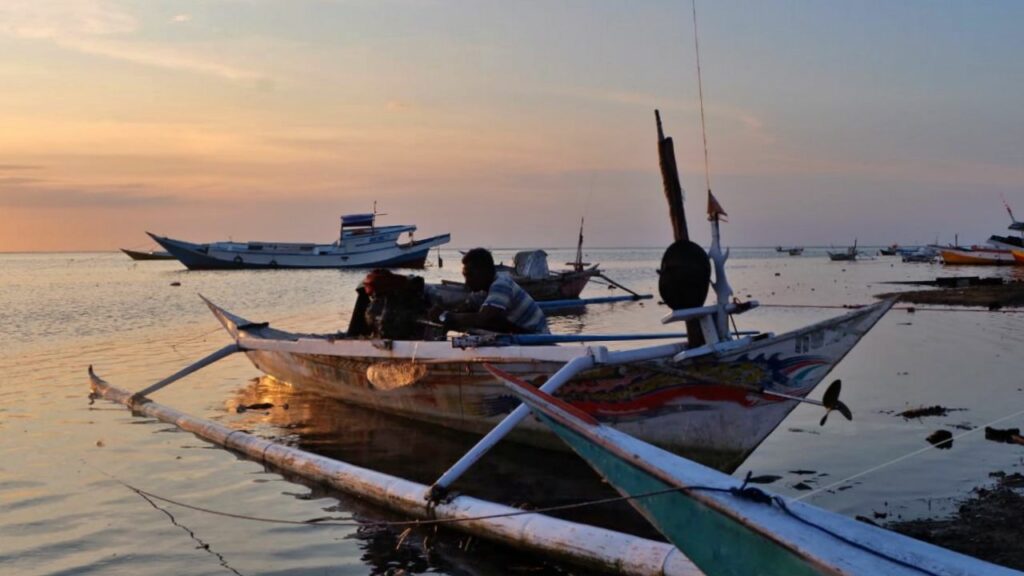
[488,318]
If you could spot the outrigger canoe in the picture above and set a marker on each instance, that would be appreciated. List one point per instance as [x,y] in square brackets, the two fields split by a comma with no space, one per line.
[727,528]
[714,406]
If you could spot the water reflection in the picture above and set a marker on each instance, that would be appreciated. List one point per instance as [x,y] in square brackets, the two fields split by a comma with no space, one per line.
[510,474]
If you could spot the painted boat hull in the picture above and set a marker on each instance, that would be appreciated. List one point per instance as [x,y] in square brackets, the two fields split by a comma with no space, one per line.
[706,408]
[136,255]
[1018,256]
[559,286]
[977,257]
[209,257]
[728,532]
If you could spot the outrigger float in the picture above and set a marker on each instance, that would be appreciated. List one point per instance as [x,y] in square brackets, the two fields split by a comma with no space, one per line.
[712,394]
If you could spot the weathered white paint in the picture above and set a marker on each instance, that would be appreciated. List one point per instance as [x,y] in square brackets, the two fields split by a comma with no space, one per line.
[579,544]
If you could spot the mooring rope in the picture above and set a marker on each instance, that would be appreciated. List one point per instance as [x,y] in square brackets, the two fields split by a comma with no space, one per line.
[905,457]
[743,491]
[903,308]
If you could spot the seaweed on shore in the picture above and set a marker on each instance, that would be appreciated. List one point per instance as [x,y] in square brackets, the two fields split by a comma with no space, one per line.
[927,411]
[987,526]
[993,297]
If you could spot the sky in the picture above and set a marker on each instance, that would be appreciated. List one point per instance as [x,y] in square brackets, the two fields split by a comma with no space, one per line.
[505,122]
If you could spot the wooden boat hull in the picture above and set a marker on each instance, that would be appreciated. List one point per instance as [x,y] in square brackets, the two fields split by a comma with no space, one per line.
[977,257]
[726,528]
[707,408]
[1018,256]
[136,255]
[558,286]
[210,257]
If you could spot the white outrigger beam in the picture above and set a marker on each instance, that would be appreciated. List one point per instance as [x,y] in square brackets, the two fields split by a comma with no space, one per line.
[580,544]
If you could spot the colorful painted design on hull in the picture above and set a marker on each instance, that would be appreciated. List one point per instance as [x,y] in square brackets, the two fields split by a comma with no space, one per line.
[710,409]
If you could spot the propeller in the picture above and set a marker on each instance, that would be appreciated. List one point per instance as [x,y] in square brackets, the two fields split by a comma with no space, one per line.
[831,402]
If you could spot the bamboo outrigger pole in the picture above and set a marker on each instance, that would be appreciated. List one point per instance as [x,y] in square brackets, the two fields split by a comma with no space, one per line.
[580,544]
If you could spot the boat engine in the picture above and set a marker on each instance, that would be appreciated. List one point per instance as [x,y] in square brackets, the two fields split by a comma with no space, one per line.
[390,306]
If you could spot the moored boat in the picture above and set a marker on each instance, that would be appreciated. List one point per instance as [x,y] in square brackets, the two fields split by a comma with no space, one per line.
[976,256]
[728,528]
[360,244]
[850,255]
[151,255]
[715,409]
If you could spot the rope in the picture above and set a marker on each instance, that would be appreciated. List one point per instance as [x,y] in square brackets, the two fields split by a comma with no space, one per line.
[700,92]
[747,493]
[904,457]
[402,523]
[781,503]
[905,308]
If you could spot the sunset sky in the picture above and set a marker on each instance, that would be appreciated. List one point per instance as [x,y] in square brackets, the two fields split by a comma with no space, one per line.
[505,122]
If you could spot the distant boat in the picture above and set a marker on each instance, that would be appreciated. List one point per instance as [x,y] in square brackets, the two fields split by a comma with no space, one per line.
[151,255]
[976,256]
[360,244]
[892,250]
[794,251]
[849,256]
[1009,242]
[925,254]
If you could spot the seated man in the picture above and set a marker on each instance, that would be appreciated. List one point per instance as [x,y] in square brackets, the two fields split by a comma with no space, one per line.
[507,307]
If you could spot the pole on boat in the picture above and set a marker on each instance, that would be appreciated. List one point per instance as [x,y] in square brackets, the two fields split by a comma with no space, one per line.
[596,356]
[202,363]
[685,272]
[439,489]
[621,287]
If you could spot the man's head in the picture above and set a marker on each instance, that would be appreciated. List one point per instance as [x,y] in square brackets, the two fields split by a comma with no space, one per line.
[478,269]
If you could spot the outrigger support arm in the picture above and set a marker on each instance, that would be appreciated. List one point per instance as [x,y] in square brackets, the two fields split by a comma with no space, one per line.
[597,355]
[219,354]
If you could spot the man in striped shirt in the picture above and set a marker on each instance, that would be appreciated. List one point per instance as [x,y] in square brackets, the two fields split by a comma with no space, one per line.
[507,307]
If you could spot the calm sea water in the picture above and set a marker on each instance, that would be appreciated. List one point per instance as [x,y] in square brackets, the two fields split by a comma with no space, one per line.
[65,509]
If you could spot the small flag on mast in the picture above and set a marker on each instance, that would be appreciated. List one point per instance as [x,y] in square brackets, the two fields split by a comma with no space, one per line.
[715,211]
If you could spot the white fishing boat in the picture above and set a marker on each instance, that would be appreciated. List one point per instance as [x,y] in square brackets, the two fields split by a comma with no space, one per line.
[360,244]
[714,404]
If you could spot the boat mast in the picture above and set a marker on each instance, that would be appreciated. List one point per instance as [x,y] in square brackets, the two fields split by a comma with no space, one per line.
[578,264]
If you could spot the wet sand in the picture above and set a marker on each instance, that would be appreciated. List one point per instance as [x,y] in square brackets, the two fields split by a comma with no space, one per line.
[1008,295]
[988,525]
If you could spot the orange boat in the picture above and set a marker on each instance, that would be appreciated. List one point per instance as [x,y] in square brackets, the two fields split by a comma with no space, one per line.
[1018,255]
[978,256]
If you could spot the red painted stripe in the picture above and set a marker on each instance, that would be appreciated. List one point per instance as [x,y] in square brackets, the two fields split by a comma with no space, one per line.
[528,390]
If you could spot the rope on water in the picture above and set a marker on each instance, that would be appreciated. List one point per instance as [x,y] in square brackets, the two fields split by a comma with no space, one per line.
[904,457]
[904,308]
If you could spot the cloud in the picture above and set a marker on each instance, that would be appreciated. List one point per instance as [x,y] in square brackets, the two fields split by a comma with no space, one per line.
[398,105]
[179,18]
[99,28]
[24,195]
[17,167]
[17,181]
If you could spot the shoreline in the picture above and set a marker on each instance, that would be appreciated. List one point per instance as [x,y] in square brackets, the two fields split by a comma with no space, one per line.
[988,524]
